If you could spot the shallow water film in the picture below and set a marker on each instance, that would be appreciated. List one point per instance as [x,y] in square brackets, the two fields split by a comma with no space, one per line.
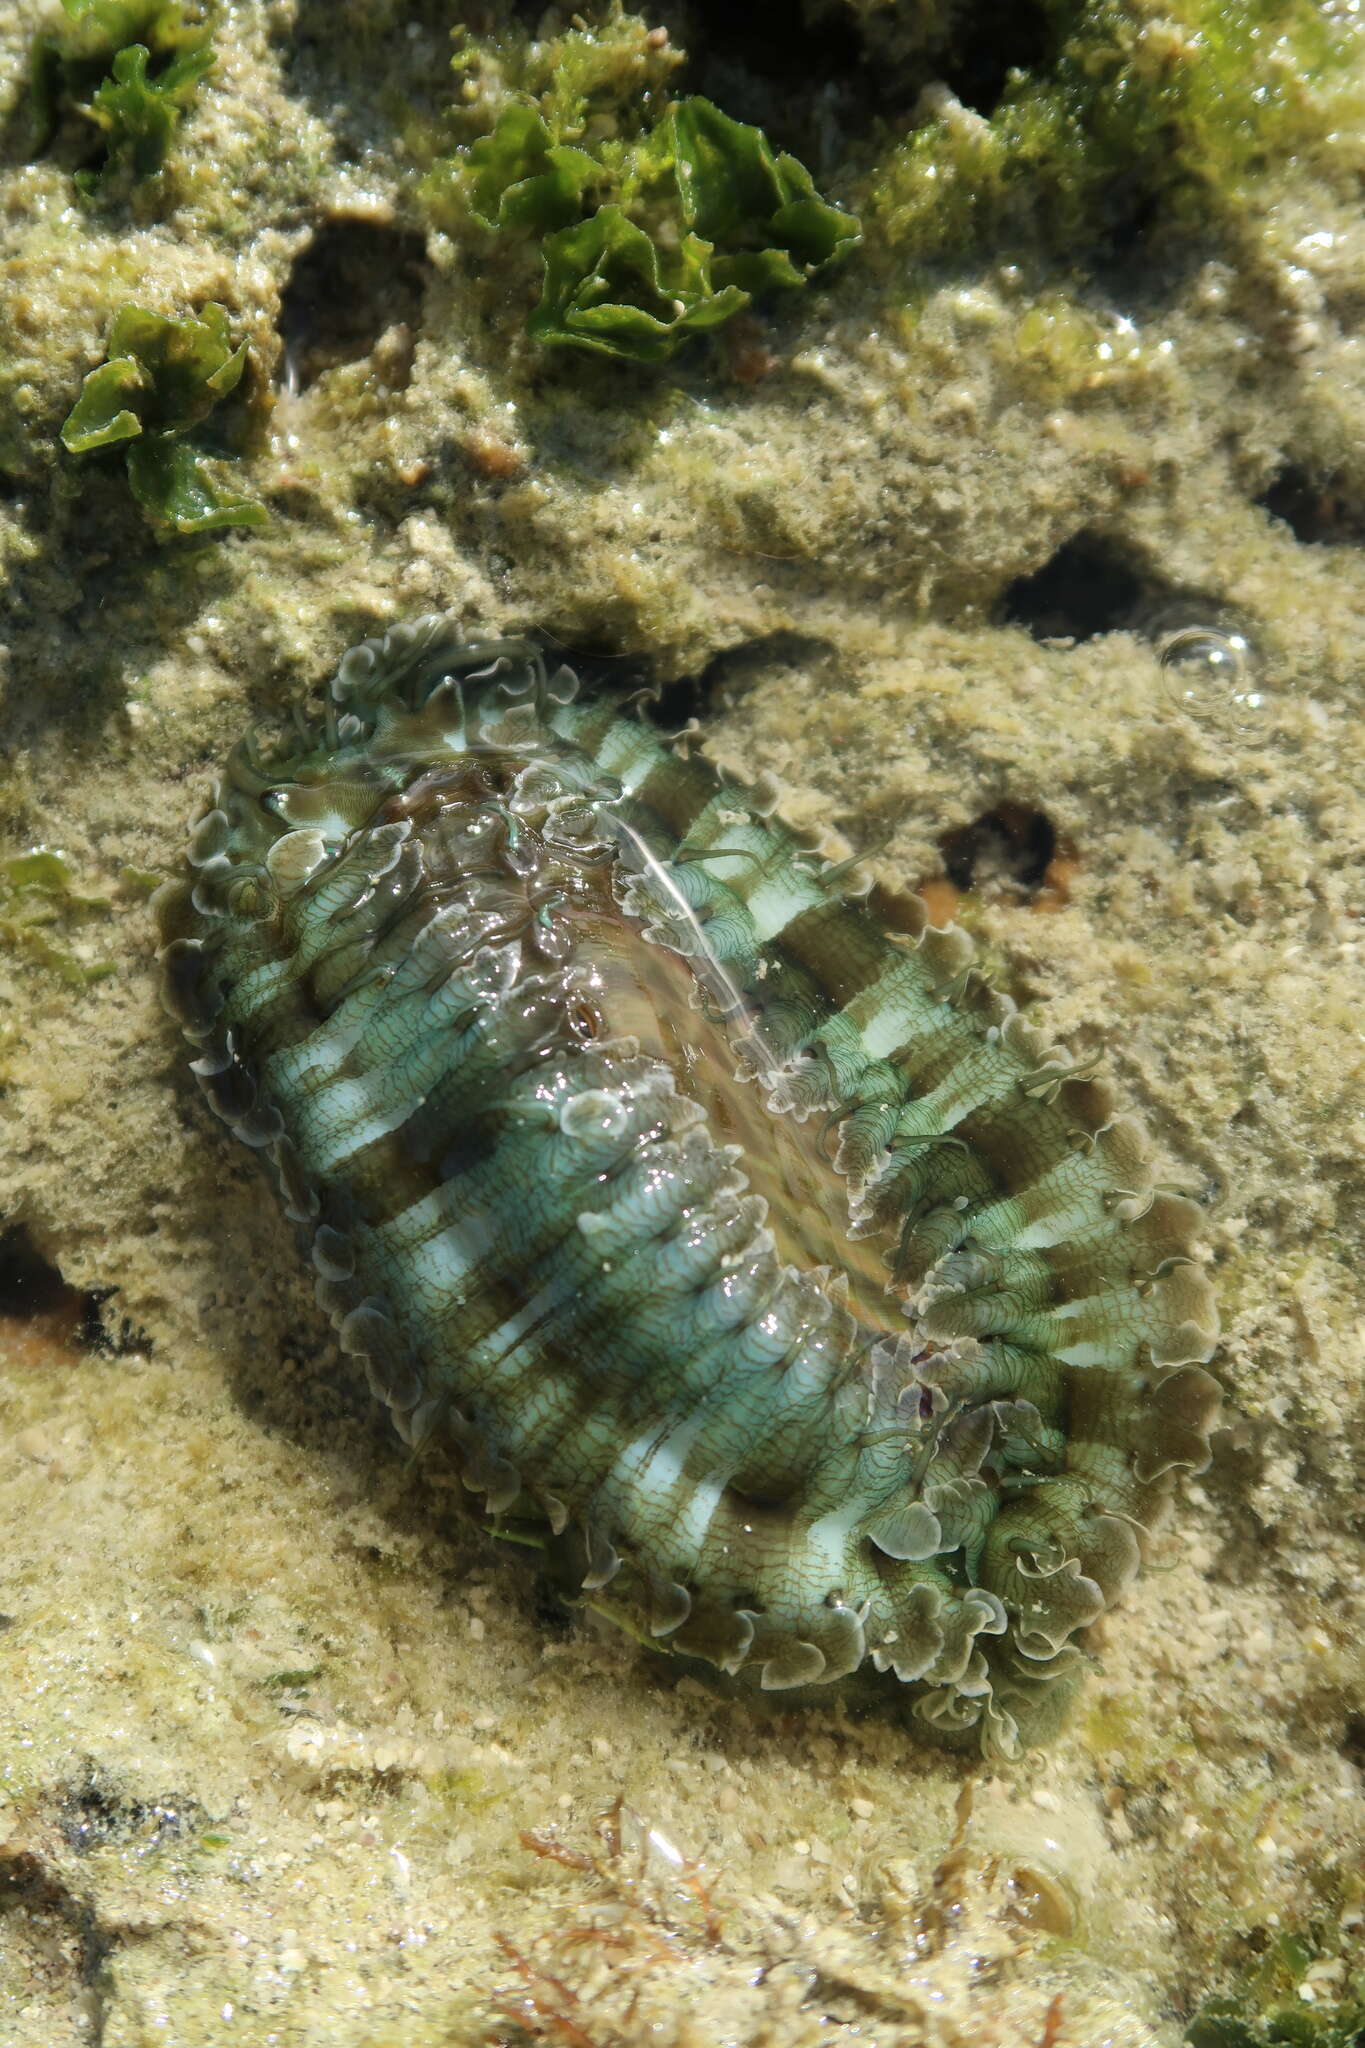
[792,1018]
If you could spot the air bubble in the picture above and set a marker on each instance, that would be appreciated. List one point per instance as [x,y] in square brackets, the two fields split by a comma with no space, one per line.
[1210,669]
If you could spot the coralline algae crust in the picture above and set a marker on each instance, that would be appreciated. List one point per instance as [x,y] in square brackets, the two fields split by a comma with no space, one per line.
[754,1255]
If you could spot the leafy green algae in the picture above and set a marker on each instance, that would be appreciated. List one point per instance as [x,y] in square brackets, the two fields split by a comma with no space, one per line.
[39,902]
[130,68]
[139,112]
[609,77]
[610,290]
[650,240]
[521,178]
[160,380]
[1130,117]
[761,212]
[1272,2011]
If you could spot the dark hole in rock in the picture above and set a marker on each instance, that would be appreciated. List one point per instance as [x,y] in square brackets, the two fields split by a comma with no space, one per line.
[32,1290]
[734,670]
[991,40]
[1316,509]
[774,39]
[802,74]
[670,706]
[356,280]
[798,66]
[550,1609]
[1353,1739]
[1086,588]
[1011,845]
[31,1285]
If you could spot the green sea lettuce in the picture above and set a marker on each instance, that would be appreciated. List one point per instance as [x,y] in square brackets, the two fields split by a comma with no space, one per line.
[162,378]
[38,903]
[130,68]
[769,226]
[650,241]
[522,178]
[139,113]
[608,290]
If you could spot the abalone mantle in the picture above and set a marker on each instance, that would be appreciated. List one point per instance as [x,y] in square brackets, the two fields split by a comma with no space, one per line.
[758,1257]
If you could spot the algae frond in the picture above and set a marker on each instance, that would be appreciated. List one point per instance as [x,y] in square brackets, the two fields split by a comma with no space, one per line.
[1130,120]
[39,902]
[1283,2006]
[652,239]
[160,380]
[130,68]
